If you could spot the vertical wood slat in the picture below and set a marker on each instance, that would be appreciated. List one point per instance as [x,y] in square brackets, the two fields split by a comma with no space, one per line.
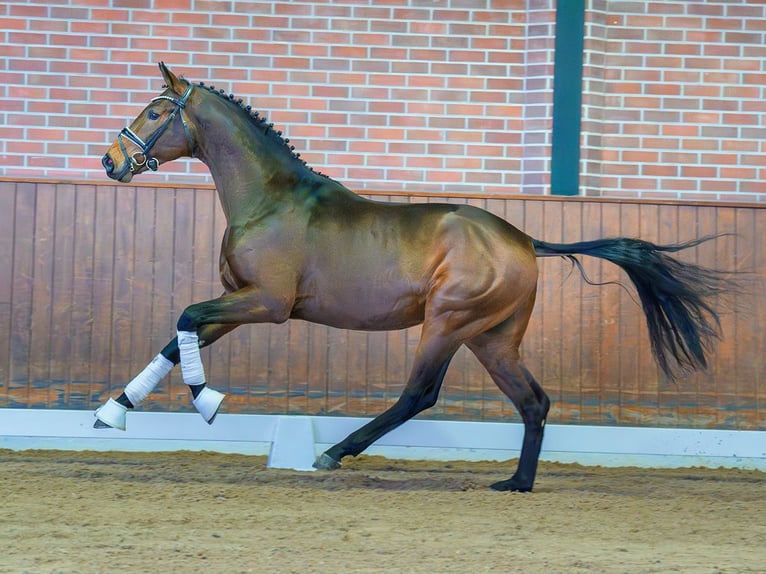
[21,296]
[102,291]
[7,241]
[705,409]
[570,292]
[123,272]
[757,311]
[82,298]
[61,307]
[748,375]
[138,337]
[606,396]
[42,273]
[100,275]
[726,357]
[163,317]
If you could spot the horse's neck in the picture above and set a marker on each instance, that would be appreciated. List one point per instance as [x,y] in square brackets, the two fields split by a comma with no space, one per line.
[254,171]
[252,178]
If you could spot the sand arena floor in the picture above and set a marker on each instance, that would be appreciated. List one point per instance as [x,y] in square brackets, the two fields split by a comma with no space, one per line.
[206,512]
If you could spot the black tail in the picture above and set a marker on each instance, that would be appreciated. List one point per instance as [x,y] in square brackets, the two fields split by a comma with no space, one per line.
[674,295]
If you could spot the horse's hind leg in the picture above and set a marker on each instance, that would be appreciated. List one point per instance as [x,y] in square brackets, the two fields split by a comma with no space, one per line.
[112,413]
[421,392]
[498,351]
[533,412]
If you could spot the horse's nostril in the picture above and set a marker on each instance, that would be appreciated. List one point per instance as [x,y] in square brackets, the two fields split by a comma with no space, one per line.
[108,163]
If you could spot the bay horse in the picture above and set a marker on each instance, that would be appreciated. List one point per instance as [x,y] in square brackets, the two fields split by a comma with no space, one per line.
[299,245]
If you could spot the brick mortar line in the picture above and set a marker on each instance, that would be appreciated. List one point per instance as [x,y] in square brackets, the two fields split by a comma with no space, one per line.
[293,20]
[288,70]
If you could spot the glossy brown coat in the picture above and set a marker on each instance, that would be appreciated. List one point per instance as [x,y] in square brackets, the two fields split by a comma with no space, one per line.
[300,245]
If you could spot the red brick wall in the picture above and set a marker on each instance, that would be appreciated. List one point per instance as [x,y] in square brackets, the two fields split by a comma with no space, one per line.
[674,102]
[444,96]
[382,95]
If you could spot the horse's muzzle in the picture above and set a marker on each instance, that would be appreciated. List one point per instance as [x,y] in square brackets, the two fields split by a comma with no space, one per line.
[123,175]
[108,164]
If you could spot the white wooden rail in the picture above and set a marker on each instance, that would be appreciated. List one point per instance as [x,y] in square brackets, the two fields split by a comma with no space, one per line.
[293,441]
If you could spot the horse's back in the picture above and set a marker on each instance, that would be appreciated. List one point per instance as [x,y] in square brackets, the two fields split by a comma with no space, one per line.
[376,265]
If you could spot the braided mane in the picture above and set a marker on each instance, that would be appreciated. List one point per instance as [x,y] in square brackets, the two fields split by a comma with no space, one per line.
[261,122]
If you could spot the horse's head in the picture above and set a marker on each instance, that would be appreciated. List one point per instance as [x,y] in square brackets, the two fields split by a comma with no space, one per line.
[155,136]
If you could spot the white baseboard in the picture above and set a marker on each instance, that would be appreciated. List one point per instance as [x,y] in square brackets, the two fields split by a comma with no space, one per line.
[293,441]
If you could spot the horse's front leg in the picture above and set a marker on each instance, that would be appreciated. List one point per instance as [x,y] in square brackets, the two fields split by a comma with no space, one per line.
[113,413]
[248,305]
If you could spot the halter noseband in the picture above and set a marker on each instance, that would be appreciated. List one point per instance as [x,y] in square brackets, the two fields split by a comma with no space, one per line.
[142,158]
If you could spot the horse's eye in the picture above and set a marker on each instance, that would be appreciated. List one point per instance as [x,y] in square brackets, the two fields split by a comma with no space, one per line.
[153,115]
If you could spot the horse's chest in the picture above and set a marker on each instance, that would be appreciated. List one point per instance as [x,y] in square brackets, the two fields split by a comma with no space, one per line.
[254,255]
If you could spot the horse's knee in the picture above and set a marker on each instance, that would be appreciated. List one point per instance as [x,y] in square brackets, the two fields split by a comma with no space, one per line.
[187,322]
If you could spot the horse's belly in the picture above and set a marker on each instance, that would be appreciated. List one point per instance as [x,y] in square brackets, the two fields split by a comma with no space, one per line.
[367,309]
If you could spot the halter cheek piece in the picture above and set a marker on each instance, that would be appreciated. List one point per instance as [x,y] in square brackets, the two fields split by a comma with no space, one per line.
[142,158]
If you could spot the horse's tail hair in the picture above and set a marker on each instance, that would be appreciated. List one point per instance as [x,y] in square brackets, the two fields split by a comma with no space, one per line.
[675,296]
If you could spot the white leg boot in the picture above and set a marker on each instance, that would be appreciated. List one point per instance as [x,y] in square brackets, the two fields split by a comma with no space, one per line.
[208,401]
[112,414]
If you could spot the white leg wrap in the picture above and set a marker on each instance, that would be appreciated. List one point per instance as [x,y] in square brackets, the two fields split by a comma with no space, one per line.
[113,414]
[191,361]
[145,382]
[207,403]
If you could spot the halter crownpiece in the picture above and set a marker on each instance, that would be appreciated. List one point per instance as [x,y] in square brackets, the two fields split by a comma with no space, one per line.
[142,158]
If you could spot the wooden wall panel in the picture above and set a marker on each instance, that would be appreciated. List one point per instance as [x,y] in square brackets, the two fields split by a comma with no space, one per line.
[97,275]
[7,243]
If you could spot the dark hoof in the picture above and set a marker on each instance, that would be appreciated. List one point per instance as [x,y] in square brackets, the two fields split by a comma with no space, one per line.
[511,485]
[99,424]
[326,462]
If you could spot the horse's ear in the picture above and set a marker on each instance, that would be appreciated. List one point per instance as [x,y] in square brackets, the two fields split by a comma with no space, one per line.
[171,80]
